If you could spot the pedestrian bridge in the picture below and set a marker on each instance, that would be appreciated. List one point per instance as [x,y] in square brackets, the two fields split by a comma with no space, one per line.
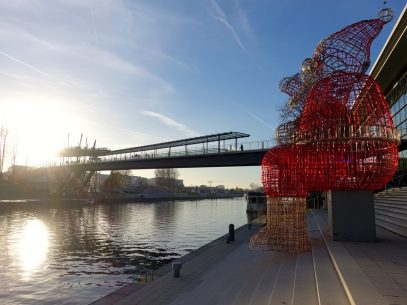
[216,150]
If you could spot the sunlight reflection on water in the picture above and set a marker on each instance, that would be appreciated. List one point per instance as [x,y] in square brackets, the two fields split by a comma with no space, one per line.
[74,255]
[32,246]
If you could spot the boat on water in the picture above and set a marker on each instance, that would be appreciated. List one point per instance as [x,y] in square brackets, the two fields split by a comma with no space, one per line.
[256,202]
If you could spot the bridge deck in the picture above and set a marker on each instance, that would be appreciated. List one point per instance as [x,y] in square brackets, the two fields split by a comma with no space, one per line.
[221,159]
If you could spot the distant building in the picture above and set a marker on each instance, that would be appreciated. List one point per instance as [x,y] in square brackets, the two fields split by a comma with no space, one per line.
[138,181]
[191,189]
[17,173]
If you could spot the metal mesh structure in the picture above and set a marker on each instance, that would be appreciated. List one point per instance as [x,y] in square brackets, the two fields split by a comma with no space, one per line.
[286,132]
[348,49]
[343,139]
[285,227]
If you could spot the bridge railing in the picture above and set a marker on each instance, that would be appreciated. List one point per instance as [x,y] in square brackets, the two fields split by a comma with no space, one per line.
[258,145]
[205,149]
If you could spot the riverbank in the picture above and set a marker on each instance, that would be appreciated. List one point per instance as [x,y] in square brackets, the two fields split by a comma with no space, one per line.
[72,202]
[167,197]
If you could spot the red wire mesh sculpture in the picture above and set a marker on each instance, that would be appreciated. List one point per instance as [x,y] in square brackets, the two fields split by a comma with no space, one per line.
[344,138]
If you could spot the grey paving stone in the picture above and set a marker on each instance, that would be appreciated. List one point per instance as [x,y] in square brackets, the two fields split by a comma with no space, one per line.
[396,300]
[393,292]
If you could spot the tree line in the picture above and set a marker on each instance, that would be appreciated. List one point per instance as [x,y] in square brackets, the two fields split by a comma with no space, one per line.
[165,179]
[5,149]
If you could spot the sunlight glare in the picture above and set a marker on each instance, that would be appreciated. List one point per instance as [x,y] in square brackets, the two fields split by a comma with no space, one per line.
[38,128]
[32,246]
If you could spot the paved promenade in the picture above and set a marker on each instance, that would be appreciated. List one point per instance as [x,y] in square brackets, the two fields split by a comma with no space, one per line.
[385,264]
[233,274]
[333,273]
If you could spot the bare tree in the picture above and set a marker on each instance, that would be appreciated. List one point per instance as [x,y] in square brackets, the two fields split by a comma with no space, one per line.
[126,177]
[166,178]
[14,157]
[115,180]
[3,146]
[254,186]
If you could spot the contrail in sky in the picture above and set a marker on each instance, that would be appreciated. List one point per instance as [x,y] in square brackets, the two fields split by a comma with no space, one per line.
[171,122]
[220,15]
[24,64]
[257,118]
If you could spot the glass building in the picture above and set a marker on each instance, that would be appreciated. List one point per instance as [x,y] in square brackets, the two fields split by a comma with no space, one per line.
[390,70]
[397,99]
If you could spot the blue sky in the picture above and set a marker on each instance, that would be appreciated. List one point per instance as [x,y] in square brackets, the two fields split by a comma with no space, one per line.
[129,73]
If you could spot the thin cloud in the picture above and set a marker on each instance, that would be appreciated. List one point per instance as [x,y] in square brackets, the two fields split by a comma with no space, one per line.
[132,132]
[171,122]
[220,15]
[109,60]
[159,54]
[243,20]
[91,53]
[92,18]
[24,64]
[167,57]
[13,32]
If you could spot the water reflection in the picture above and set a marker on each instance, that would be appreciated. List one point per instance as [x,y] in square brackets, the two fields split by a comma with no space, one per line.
[73,255]
[32,246]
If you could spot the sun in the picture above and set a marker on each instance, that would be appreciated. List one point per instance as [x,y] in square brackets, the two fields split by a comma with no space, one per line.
[37,129]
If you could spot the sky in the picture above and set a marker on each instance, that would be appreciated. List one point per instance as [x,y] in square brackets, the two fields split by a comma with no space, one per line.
[130,73]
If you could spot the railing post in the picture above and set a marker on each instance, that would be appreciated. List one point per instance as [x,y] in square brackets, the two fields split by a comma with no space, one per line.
[218,144]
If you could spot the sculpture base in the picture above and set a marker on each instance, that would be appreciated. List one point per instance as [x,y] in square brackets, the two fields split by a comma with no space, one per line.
[351,216]
[286,228]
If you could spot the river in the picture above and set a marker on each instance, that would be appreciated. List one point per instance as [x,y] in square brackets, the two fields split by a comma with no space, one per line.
[76,255]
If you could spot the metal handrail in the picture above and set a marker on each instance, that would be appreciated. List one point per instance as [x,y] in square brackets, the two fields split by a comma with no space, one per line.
[206,150]
[394,179]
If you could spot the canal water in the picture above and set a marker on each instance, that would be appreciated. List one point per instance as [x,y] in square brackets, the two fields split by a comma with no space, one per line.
[76,255]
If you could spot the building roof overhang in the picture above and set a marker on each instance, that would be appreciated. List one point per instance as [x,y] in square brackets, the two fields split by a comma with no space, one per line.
[81,152]
[231,135]
[391,63]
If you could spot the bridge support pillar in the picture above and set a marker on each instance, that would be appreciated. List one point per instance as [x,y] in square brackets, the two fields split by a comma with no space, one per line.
[351,216]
